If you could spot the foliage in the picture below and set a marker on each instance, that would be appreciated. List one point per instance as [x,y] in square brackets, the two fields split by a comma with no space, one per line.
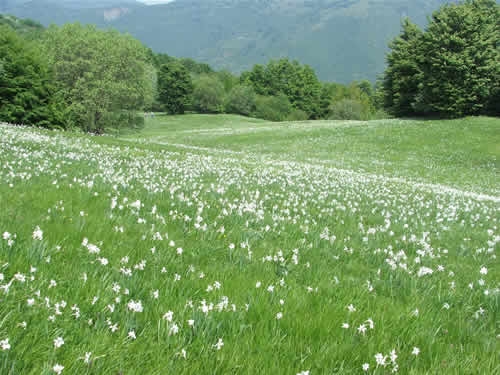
[28,28]
[174,87]
[208,94]
[25,82]
[273,108]
[103,76]
[347,109]
[452,69]
[297,82]
[241,100]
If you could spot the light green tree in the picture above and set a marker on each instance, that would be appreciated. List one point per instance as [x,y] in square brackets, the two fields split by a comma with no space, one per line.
[104,77]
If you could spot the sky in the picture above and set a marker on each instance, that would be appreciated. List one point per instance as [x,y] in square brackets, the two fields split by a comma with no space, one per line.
[151,2]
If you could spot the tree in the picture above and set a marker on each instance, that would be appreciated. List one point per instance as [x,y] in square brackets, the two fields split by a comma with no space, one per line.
[403,74]
[174,87]
[460,59]
[297,82]
[104,77]
[452,69]
[208,94]
[25,88]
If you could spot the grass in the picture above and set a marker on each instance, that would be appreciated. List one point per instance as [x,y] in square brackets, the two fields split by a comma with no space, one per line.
[269,237]
[463,153]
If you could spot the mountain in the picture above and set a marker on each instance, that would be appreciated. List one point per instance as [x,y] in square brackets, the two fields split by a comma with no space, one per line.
[343,40]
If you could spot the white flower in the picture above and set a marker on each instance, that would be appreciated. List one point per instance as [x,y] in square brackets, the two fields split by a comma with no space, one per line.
[365,367]
[86,359]
[174,329]
[351,308]
[168,316]
[37,234]
[279,315]
[191,322]
[135,306]
[4,344]
[219,344]
[58,342]
[362,329]
[103,261]
[345,325]
[258,284]
[58,368]
[483,271]
[424,271]
[415,351]
[393,356]
[303,372]
[132,335]
[380,358]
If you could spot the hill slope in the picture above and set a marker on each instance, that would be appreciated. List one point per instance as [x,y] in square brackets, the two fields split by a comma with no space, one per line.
[342,40]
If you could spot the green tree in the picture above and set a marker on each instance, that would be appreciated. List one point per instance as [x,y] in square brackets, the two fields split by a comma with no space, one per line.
[25,82]
[452,69]
[297,82]
[403,74]
[174,87]
[461,59]
[103,77]
[208,94]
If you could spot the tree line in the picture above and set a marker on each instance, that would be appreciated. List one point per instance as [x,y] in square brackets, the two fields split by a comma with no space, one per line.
[80,77]
[77,76]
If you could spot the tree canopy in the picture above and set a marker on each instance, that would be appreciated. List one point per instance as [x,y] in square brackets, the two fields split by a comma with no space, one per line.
[104,77]
[452,68]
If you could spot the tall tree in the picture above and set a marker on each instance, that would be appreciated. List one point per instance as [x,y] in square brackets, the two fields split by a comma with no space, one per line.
[174,87]
[452,69]
[104,77]
[403,73]
[25,88]
[461,58]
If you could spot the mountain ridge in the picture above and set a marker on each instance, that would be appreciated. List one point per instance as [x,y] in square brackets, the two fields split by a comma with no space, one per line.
[343,40]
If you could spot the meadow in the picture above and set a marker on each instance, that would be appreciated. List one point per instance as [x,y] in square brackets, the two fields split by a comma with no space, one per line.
[226,245]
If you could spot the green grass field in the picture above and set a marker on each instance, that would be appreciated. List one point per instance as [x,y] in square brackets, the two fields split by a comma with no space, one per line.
[226,245]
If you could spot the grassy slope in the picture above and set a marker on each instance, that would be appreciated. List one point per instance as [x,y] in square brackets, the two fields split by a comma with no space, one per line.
[462,153]
[45,180]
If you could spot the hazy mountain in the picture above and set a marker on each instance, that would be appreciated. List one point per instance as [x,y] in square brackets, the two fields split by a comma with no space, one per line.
[342,40]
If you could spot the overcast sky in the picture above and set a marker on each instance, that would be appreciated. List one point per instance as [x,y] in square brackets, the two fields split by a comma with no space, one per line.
[155,1]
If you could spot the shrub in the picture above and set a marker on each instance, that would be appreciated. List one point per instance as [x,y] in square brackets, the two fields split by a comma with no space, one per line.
[241,100]
[348,109]
[273,108]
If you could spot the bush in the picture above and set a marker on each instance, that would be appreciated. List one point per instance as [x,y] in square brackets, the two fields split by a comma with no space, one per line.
[273,108]
[208,95]
[241,100]
[348,109]
[297,115]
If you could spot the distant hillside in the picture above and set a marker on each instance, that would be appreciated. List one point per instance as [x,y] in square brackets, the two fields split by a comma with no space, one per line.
[343,40]
[26,27]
